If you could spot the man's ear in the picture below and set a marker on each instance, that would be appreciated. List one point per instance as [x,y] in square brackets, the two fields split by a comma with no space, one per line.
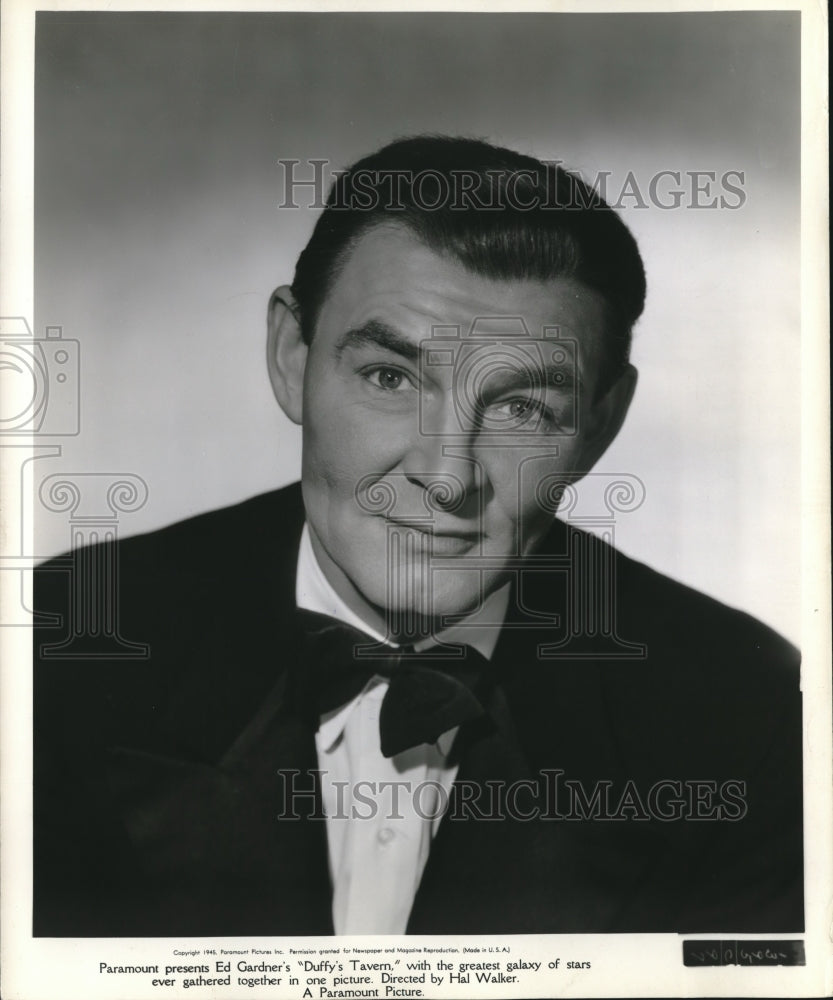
[286,352]
[606,416]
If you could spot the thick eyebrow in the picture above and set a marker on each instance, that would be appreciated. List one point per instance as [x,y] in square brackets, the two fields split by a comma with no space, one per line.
[375,333]
[378,334]
[559,377]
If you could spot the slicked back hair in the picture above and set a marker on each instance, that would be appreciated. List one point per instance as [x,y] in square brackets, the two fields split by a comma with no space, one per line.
[501,214]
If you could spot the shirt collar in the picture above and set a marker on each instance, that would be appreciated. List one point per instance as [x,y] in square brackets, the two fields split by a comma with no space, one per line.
[314,592]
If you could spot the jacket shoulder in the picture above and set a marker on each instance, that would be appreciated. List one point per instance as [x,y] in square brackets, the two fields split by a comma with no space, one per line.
[186,617]
[655,661]
[648,607]
[263,526]
[678,617]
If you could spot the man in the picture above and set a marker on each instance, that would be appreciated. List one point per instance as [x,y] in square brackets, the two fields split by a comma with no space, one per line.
[404,697]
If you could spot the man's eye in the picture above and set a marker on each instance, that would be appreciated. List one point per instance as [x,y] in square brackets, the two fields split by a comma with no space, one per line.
[531,412]
[520,409]
[389,379]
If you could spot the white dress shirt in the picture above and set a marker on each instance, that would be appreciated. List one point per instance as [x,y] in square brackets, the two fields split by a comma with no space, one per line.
[382,813]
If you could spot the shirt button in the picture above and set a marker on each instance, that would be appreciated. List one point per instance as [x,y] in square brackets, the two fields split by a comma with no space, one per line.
[385,835]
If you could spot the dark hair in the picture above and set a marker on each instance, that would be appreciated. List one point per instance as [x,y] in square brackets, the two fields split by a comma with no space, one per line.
[499,213]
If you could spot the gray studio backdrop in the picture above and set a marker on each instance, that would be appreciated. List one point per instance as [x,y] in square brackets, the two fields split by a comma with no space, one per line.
[159,239]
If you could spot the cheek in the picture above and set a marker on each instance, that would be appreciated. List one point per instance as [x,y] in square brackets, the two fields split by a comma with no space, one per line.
[345,439]
[343,446]
[331,470]
[535,523]
[526,492]
[335,436]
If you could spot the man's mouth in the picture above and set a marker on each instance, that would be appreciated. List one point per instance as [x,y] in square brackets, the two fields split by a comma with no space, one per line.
[440,539]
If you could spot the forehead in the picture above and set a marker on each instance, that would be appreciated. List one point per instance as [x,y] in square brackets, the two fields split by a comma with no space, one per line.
[392,277]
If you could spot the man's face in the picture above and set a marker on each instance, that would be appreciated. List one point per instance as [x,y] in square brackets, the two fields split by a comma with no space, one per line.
[427,450]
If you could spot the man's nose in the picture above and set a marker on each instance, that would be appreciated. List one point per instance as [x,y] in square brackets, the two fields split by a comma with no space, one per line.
[441,458]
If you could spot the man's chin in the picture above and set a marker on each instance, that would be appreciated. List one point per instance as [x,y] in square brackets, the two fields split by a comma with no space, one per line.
[426,612]
[415,596]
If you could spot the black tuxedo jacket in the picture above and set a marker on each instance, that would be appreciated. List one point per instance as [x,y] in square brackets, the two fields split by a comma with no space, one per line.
[160,780]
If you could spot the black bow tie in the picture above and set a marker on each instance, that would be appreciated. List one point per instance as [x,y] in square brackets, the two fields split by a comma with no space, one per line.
[428,693]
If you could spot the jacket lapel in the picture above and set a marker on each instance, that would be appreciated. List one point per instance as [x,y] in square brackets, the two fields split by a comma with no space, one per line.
[529,869]
[207,808]
[237,846]
[222,804]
